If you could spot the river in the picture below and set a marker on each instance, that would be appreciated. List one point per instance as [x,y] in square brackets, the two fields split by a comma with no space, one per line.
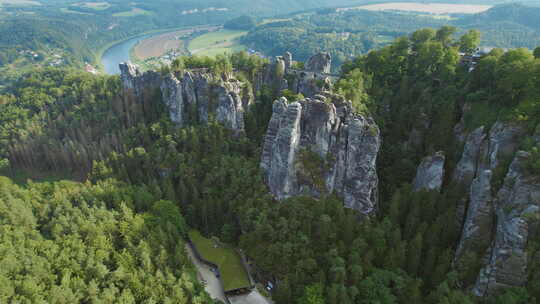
[120,53]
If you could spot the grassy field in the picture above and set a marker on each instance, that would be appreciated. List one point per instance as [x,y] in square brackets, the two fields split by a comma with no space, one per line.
[272,20]
[68,11]
[22,176]
[431,8]
[211,44]
[133,12]
[230,265]
[161,44]
[18,3]
[98,6]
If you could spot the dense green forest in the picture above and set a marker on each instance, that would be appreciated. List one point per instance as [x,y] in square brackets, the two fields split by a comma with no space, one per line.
[120,232]
[67,242]
[346,34]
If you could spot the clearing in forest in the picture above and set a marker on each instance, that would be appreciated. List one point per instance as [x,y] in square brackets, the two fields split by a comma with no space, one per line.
[431,8]
[233,273]
[98,6]
[18,3]
[215,43]
[132,13]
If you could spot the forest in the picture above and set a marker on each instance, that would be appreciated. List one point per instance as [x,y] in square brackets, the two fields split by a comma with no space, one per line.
[351,33]
[139,182]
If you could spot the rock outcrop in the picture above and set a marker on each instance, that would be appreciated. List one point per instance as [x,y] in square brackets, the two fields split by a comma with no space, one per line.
[195,96]
[430,173]
[517,206]
[136,81]
[503,141]
[486,151]
[317,146]
[309,83]
[466,168]
[199,95]
[280,75]
[288,59]
[477,229]
[320,63]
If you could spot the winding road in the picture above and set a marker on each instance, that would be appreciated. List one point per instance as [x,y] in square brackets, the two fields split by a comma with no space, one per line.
[212,285]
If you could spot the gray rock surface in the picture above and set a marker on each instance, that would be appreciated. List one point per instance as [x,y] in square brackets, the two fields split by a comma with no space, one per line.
[287,57]
[503,141]
[430,173]
[280,148]
[318,145]
[516,206]
[320,63]
[493,226]
[309,83]
[466,168]
[485,152]
[136,81]
[194,97]
[477,229]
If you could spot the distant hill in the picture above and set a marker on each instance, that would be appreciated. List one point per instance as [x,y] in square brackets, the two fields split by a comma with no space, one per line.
[513,13]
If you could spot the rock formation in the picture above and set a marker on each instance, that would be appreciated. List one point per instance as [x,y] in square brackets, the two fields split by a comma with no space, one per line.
[517,206]
[309,83]
[503,140]
[195,96]
[430,173]
[317,146]
[466,168]
[280,75]
[485,152]
[320,63]
[135,80]
[495,226]
[287,57]
[476,233]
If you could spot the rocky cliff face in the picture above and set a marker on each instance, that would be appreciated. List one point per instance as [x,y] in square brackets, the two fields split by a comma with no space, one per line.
[468,164]
[280,74]
[477,229]
[320,63]
[516,207]
[430,173]
[195,96]
[317,146]
[495,223]
[485,151]
[135,80]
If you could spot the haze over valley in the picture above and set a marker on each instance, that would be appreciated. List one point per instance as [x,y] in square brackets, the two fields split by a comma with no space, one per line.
[270,152]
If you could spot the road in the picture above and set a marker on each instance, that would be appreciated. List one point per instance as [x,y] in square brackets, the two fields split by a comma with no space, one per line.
[253,297]
[213,285]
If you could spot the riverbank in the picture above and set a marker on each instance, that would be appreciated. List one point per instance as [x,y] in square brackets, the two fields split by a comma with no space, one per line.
[98,54]
[216,43]
[159,45]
